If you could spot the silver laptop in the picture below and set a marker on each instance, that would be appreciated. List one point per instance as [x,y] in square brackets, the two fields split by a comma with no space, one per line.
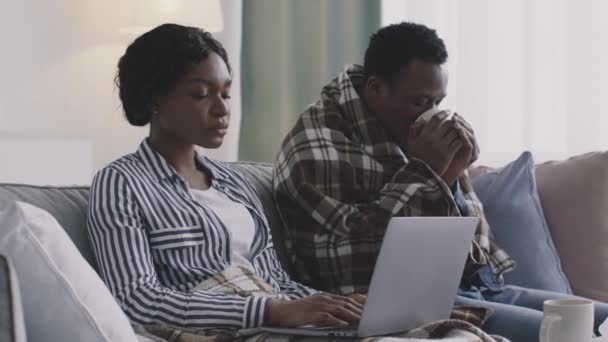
[415,279]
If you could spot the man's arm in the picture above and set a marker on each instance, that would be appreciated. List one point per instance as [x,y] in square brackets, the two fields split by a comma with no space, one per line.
[320,171]
[336,240]
[414,190]
[336,197]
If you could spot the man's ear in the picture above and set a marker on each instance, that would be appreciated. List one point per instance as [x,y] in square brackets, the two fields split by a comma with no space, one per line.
[376,86]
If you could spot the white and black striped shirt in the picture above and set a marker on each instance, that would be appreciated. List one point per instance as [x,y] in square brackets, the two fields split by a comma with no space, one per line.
[154,243]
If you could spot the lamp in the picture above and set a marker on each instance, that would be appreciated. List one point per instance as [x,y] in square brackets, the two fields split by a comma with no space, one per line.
[147,14]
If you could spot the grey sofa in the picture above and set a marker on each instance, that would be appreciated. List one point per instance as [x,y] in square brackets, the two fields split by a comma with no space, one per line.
[69,206]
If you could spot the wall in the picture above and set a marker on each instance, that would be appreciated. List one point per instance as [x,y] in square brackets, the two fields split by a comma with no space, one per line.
[60,118]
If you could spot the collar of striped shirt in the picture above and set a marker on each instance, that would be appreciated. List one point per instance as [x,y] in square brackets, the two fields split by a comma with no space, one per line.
[161,169]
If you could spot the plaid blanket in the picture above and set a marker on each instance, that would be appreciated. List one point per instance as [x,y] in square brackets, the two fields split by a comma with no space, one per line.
[447,331]
[339,179]
[240,280]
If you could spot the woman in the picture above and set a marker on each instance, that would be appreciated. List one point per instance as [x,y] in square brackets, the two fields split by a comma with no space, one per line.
[171,227]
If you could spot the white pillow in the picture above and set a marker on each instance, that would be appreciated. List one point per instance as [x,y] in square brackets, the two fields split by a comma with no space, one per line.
[63,298]
[15,307]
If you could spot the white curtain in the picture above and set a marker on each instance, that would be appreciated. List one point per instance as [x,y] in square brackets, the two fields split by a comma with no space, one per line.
[60,117]
[528,74]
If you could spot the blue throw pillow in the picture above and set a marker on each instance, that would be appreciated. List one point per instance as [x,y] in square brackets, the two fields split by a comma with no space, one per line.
[512,207]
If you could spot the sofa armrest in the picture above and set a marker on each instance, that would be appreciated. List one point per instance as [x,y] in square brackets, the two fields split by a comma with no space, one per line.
[12,325]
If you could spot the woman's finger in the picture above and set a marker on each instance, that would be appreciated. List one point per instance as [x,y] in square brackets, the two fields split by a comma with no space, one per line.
[326,319]
[359,298]
[349,301]
[343,313]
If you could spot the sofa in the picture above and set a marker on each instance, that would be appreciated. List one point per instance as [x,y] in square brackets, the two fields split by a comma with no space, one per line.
[68,204]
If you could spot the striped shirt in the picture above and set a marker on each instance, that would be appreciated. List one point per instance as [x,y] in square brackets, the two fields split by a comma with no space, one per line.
[155,242]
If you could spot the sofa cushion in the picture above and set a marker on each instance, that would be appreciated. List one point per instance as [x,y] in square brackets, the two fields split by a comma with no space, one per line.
[68,205]
[63,298]
[512,207]
[574,194]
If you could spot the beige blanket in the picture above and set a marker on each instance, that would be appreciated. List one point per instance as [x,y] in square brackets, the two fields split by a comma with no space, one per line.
[462,327]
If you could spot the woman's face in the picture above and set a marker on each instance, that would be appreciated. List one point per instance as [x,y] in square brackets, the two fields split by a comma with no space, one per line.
[197,109]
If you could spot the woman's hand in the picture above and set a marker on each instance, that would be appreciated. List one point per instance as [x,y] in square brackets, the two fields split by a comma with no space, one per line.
[359,298]
[324,309]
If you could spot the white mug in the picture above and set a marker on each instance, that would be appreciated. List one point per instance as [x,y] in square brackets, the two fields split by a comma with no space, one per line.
[567,320]
[426,116]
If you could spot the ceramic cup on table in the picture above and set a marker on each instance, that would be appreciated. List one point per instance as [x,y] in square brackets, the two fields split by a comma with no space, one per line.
[567,320]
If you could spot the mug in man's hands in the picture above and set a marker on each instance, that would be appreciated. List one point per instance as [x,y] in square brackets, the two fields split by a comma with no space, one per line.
[567,320]
[426,116]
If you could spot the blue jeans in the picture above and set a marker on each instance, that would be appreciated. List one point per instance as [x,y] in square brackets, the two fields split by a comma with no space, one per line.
[518,311]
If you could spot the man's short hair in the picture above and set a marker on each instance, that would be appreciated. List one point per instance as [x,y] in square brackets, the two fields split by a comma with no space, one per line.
[393,47]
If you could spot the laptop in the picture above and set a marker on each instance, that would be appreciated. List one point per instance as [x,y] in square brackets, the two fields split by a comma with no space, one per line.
[415,279]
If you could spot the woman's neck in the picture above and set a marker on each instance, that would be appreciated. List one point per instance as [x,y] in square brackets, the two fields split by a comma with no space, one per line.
[178,154]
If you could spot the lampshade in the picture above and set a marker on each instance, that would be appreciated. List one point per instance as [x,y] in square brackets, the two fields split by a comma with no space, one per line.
[147,14]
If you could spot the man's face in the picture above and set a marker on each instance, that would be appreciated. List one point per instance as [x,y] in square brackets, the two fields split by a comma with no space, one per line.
[419,87]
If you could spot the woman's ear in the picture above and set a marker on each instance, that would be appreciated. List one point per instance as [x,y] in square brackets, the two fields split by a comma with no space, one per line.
[153,108]
[156,104]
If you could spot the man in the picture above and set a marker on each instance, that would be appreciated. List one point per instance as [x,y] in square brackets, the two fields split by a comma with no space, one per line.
[357,157]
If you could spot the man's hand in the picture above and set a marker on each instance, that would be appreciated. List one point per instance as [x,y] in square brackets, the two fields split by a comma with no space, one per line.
[466,155]
[469,133]
[435,142]
[320,310]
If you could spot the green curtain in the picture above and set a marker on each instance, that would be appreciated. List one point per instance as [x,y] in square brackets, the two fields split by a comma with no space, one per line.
[291,48]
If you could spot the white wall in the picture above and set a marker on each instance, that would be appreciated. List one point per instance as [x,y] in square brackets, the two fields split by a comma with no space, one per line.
[60,118]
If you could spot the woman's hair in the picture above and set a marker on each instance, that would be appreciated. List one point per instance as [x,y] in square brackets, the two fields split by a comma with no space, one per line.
[154,63]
